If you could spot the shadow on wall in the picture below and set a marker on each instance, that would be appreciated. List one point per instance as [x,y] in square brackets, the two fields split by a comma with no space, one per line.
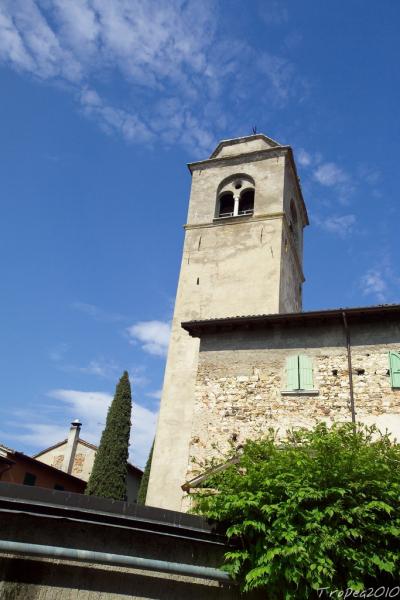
[23,579]
[319,335]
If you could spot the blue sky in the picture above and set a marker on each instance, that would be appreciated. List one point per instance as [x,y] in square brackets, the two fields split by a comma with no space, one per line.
[101,105]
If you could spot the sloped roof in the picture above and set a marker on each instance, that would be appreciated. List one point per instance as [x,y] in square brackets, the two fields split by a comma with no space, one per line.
[231,142]
[39,464]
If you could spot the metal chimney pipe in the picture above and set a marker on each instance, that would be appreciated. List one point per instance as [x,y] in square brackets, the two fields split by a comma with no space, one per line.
[72,443]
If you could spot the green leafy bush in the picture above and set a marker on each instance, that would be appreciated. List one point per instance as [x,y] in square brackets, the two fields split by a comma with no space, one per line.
[320,510]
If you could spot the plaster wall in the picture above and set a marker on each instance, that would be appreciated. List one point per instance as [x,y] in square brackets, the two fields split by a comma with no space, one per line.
[290,193]
[241,380]
[44,478]
[229,267]
[291,276]
[83,465]
[83,461]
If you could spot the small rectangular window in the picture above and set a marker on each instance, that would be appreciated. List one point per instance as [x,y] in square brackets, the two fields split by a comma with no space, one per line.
[394,366]
[29,479]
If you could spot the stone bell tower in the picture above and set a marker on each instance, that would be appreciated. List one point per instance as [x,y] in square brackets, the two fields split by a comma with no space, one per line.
[242,255]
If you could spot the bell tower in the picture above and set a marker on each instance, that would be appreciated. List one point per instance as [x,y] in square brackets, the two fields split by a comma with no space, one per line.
[242,255]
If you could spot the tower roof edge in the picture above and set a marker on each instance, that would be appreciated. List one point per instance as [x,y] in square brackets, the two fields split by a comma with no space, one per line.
[261,137]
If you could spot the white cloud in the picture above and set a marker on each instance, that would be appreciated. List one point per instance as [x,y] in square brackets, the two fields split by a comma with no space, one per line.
[304,158]
[91,408]
[281,74]
[329,174]
[137,376]
[373,283]
[28,43]
[84,404]
[144,423]
[97,313]
[38,435]
[156,394]
[114,120]
[340,225]
[154,336]
[103,368]
[165,53]
[153,46]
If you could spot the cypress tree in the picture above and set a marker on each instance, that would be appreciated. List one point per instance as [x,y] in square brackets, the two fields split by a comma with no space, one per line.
[108,477]
[141,499]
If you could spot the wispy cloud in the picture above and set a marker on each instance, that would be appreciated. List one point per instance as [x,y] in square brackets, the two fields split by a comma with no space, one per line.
[153,336]
[341,225]
[138,376]
[97,313]
[114,120]
[84,404]
[373,283]
[173,50]
[91,408]
[329,174]
[304,158]
[273,12]
[156,394]
[41,428]
[58,352]
[33,433]
[100,367]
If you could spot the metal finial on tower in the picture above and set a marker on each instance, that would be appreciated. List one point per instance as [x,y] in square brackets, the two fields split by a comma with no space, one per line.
[254,128]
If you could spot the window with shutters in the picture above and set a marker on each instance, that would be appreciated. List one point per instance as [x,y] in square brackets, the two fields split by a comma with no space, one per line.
[394,366]
[299,374]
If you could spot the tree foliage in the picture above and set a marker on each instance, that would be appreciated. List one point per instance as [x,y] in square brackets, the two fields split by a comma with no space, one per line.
[320,510]
[109,473]
[142,493]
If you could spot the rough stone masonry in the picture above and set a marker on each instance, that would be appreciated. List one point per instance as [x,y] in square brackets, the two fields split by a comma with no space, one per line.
[241,385]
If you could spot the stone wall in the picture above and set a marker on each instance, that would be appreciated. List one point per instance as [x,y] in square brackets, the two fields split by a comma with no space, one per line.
[241,384]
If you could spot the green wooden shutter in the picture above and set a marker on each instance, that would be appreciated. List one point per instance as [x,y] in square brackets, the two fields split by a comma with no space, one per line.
[292,373]
[394,360]
[306,373]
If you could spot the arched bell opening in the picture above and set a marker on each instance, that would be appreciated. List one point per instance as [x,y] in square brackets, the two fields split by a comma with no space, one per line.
[226,205]
[246,203]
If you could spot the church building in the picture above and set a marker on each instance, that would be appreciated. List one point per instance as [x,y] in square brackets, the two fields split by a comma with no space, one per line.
[243,356]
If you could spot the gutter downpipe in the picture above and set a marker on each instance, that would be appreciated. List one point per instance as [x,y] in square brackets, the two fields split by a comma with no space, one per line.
[348,344]
[90,556]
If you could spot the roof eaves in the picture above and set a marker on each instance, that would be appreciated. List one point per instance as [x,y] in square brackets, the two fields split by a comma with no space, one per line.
[195,327]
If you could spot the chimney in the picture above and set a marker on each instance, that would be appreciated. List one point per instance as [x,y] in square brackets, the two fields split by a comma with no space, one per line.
[72,443]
